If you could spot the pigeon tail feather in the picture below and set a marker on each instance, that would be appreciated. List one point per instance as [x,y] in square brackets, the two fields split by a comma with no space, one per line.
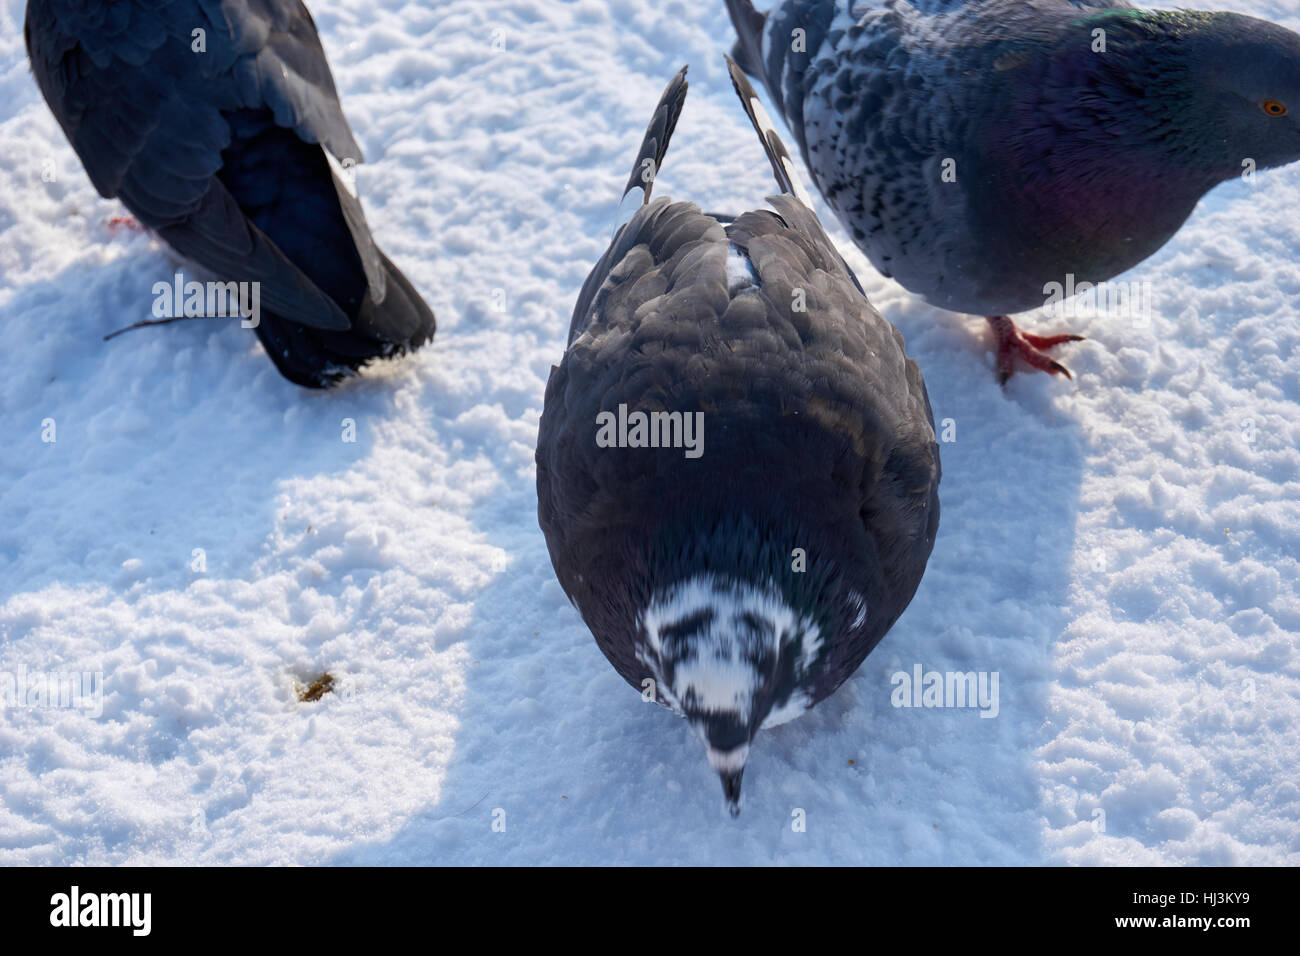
[654,146]
[749,23]
[783,168]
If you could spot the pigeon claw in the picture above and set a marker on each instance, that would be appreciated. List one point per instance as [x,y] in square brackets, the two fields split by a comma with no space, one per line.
[1047,341]
[1012,342]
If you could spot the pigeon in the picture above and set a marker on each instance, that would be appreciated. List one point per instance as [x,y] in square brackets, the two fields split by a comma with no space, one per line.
[737,473]
[987,154]
[217,124]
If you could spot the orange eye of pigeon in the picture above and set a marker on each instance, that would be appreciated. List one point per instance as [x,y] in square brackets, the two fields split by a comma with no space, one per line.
[1274,108]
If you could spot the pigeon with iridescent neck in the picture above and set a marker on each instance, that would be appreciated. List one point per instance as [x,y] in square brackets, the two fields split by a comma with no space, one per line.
[984,152]
[737,471]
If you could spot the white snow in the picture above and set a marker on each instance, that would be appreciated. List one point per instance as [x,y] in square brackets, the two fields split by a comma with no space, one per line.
[1121,550]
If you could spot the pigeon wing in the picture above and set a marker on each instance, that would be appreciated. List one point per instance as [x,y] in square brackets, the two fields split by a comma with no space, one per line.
[140,90]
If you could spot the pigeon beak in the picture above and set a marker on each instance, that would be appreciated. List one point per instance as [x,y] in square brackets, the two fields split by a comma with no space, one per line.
[730,765]
[731,789]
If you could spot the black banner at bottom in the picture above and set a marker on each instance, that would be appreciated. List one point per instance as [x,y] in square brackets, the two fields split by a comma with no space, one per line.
[330,906]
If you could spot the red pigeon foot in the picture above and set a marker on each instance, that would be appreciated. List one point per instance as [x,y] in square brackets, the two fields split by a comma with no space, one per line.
[125,222]
[1012,342]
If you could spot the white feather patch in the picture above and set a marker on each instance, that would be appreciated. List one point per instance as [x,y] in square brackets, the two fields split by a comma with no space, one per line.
[345,172]
[715,672]
[740,270]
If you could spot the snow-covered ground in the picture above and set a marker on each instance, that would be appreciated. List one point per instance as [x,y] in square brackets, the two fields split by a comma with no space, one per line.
[1121,550]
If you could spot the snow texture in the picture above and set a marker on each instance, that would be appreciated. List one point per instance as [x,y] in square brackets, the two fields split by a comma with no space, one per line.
[1121,549]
